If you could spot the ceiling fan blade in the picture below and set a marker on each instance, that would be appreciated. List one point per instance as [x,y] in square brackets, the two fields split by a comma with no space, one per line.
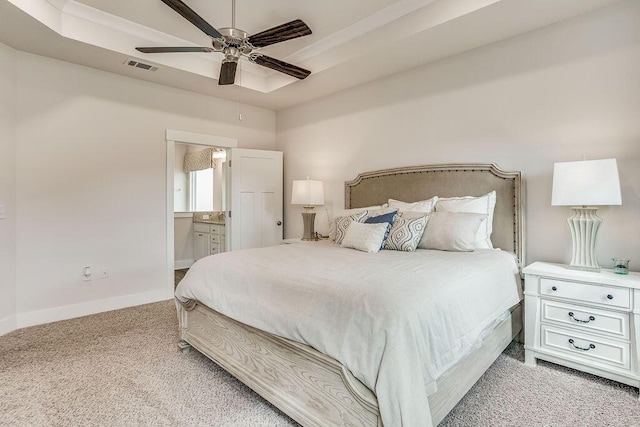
[173,49]
[281,33]
[193,17]
[281,66]
[227,73]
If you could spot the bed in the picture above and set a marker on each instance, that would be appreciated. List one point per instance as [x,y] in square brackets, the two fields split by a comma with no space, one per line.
[313,387]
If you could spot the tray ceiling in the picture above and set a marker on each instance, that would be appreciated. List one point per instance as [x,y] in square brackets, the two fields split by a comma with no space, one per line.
[353,42]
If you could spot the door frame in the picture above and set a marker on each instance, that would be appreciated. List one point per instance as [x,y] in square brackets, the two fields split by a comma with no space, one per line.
[173,136]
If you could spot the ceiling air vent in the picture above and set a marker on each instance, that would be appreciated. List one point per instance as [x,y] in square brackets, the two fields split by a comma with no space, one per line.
[141,65]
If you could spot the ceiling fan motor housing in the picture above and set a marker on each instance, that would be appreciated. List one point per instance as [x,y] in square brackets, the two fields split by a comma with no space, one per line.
[231,34]
[234,44]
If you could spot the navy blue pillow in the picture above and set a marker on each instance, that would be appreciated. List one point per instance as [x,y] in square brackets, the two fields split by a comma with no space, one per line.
[388,218]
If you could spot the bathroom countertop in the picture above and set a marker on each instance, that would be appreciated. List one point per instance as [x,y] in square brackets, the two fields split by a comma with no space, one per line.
[210,221]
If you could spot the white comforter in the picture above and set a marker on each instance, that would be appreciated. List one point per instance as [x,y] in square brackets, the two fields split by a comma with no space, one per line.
[396,320]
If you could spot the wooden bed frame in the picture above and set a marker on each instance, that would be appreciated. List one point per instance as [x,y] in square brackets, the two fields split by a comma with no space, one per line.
[316,390]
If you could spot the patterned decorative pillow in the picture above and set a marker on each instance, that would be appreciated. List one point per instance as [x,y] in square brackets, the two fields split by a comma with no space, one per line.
[332,217]
[342,223]
[365,237]
[406,233]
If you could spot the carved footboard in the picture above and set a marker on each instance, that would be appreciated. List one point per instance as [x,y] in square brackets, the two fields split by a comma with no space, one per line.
[310,387]
[313,389]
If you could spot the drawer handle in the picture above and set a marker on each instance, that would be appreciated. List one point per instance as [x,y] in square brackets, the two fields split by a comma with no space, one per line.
[553,288]
[591,318]
[609,296]
[591,346]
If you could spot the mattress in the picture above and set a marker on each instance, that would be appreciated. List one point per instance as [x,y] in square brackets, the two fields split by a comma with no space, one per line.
[396,320]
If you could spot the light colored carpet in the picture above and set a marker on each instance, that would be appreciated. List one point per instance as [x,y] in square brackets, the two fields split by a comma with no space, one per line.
[123,368]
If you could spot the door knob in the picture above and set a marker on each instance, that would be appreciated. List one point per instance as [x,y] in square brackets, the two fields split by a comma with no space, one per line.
[279,222]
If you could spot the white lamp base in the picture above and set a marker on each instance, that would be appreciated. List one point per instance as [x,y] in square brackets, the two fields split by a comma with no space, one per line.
[584,225]
[308,221]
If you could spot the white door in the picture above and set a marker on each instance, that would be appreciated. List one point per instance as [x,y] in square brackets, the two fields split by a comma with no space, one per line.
[254,199]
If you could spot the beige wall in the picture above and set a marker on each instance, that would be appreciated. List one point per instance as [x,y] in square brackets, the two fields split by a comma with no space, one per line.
[91,159]
[180,180]
[183,244]
[7,190]
[556,94]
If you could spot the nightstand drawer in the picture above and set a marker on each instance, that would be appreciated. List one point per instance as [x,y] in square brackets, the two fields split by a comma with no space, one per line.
[586,318]
[215,238]
[598,294]
[585,347]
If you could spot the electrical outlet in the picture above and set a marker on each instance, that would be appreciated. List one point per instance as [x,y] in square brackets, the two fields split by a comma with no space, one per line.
[86,274]
[105,273]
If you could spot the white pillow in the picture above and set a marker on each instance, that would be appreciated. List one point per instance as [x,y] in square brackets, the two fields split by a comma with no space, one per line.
[372,210]
[482,205]
[406,233]
[451,231]
[421,206]
[365,237]
[343,222]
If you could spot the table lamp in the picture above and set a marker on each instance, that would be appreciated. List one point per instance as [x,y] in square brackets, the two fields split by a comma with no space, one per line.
[585,185]
[307,193]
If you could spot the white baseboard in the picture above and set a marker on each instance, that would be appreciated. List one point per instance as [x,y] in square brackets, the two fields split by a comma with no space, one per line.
[183,263]
[55,314]
[8,324]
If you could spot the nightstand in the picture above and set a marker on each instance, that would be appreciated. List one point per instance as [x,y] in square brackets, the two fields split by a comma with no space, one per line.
[584,320]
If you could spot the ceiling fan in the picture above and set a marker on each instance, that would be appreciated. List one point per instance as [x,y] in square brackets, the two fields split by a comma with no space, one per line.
[234,43]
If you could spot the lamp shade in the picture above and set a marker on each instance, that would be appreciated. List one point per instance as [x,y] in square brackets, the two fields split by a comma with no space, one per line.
[586,183]
[307,192]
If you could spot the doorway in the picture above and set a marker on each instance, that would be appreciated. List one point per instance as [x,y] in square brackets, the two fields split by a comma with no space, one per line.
[198,192]
[174,137]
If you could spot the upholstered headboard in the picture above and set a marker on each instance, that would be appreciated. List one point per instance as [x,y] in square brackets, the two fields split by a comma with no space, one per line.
[414,183]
